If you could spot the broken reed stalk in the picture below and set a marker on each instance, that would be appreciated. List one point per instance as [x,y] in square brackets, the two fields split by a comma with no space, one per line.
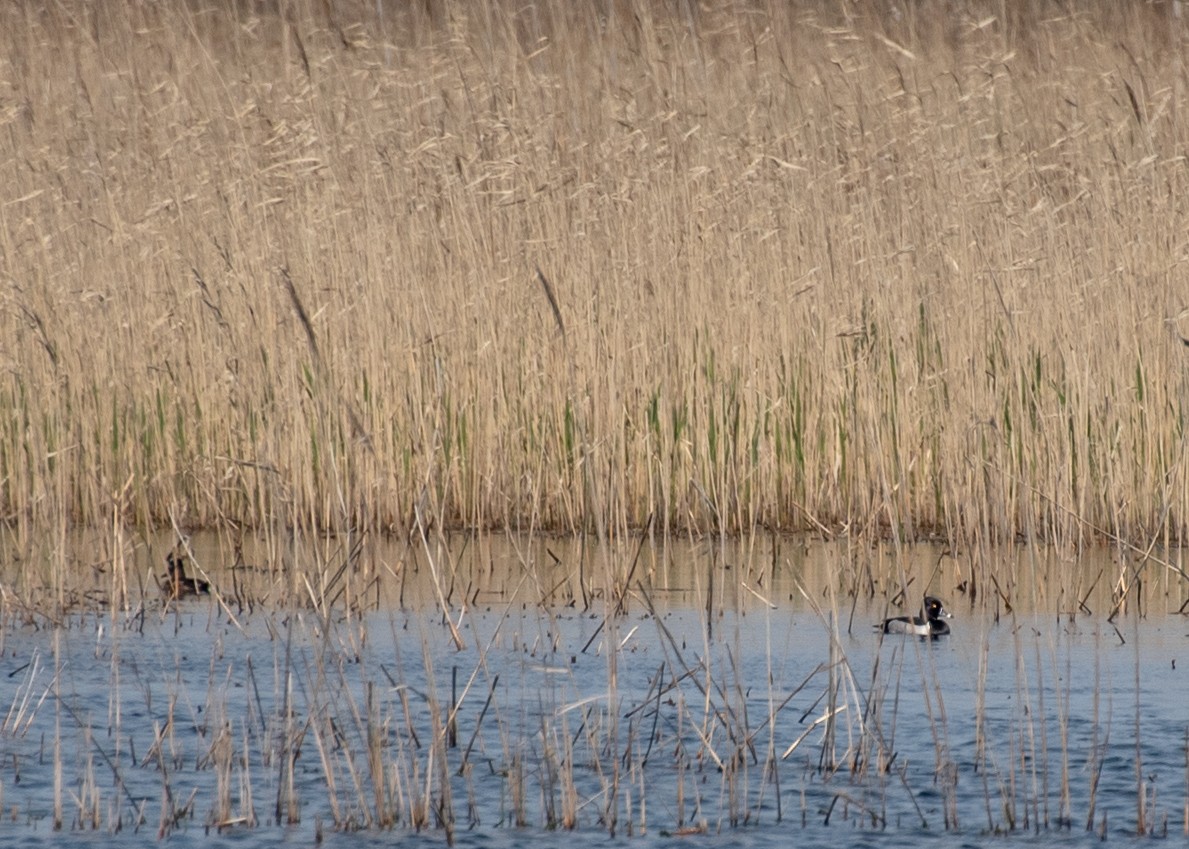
[466,755]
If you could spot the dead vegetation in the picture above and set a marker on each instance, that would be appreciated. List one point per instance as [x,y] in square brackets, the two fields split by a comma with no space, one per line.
[898,274]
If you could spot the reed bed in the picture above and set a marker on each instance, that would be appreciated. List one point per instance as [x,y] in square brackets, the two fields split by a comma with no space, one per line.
[904,272]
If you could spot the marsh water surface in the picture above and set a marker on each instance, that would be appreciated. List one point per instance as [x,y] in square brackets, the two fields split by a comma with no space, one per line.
[501,721]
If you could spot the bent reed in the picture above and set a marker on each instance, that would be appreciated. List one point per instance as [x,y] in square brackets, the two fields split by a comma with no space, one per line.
[556,266]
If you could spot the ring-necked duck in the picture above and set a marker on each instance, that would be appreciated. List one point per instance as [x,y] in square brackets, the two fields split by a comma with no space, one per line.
[931,622]
[179,584]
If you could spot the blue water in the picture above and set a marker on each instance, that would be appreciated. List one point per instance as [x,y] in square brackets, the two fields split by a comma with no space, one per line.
[1022,729]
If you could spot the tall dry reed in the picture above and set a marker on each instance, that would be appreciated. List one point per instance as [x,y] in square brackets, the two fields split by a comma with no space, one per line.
[808,266]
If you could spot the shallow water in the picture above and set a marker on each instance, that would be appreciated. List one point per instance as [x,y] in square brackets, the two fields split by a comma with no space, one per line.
[184,724]
[742,693]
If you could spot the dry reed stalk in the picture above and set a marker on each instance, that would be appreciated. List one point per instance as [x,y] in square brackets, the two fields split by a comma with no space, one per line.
[549,772]
[86,799]
[221,755]
[1097,757]
[517,815]
[1064,696]
[247,806]
[439,800]
[570,798]
[1143,822]
[377,734]
[466,755]
[331,738]
[287,805]
[56,824]
[328,773]
[642,805]
[22,712]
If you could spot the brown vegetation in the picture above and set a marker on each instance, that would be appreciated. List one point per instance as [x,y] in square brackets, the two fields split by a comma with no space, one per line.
[550,265]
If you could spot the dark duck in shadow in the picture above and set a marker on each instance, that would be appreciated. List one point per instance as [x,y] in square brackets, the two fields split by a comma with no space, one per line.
[178,583]
[930,623]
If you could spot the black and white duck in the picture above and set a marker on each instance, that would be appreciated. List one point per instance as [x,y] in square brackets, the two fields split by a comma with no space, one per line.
[930,623]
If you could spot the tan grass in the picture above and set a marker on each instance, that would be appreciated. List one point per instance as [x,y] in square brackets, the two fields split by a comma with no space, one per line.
[899,275]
